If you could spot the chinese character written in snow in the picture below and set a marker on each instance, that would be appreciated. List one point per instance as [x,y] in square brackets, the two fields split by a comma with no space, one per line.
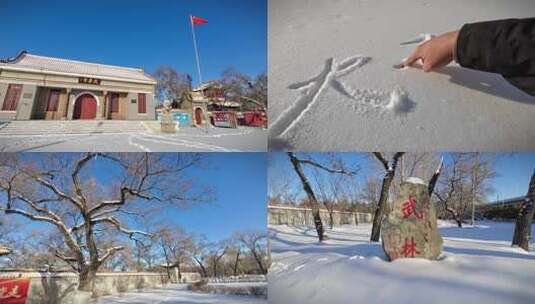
[311,89]
[409,248]
[6,294]
[409,207]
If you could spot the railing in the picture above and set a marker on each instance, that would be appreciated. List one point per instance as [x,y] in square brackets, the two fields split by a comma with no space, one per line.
[239,279]
[286,215]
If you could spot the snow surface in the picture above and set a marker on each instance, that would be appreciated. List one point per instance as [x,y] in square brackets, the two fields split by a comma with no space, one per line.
[478,266]
[374,106]
[186,140]
[177,294]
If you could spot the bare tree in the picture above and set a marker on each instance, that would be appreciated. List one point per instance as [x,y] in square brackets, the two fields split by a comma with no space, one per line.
[62,190]
[369,192]
[235,252]
[297,165]
[199,254]
[256,242]
[234,83]
[465,182]
[258,90]
[175,245]
[522,234]
[381,210]
[164,238]
[217,251]
[172,85]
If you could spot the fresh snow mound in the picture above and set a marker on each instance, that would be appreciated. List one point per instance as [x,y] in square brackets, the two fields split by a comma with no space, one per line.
[400,102]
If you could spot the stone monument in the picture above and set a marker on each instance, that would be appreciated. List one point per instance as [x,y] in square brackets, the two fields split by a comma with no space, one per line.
[410,230]
[168,124]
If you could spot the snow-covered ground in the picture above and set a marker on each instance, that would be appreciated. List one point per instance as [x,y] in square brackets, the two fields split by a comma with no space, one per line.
[333,84]
[177,294]
[187,139]
[478,266]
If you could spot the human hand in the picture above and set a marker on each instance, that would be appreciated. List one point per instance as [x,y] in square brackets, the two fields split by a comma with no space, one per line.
[435,53]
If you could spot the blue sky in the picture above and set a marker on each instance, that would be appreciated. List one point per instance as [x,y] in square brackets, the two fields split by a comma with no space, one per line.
[514,170]
[139,33]
[239,180]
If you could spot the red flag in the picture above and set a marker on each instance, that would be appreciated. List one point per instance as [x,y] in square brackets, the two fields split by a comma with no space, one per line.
[198,20]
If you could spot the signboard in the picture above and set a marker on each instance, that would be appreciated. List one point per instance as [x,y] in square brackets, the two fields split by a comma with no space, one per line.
[88,80]
[183,119]
[14,291]
[254,119]
[224,119]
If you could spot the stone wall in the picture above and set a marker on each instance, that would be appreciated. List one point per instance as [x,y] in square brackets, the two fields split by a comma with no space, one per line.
[281,215]
[60,288]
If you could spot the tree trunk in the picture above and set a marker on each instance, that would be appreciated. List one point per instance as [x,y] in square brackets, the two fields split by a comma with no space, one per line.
[258,260]
[312,198]
[236,263]
[380,211]
[214,270]
[522,234]
[456,216]
[167,266]
[203,269]
[86,278]
[331,219]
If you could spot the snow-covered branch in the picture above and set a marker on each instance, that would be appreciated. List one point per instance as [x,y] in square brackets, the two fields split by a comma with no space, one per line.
[109,252]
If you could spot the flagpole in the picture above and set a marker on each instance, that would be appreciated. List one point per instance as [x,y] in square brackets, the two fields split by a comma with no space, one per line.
[196,50]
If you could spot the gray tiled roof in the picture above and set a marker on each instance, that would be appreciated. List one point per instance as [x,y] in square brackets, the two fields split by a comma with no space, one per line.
[26,61]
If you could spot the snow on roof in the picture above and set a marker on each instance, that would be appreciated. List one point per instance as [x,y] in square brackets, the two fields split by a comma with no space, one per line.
[207,84]
[34,63]
[226,103]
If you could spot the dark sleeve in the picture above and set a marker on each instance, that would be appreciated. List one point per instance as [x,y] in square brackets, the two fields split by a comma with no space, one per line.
[506,47]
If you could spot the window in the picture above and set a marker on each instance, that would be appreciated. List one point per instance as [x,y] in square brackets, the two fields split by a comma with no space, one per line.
[114,103]
[141,103]
[12,97]
[53,100]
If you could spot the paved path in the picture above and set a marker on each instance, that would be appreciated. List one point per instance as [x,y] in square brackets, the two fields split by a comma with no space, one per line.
[177,294]
[187,140]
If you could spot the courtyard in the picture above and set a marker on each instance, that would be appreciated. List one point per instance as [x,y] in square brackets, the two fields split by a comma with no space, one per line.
[125,137]
[177,294]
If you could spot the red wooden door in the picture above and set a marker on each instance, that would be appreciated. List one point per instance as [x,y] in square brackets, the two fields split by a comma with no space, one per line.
[198,116]
[85,107]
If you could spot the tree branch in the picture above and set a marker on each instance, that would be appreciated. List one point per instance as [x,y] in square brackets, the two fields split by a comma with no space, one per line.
[434,178]
[109,252]
[330,170]
[380,157]
[114,222]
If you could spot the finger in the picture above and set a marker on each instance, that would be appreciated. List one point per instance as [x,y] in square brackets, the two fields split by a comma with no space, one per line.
[427,65]
[413,57]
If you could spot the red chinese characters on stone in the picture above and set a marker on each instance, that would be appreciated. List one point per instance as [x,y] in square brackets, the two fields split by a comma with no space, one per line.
[409,208]
[409,248]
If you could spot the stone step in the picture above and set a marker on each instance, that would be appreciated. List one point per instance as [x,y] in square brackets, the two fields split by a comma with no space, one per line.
[70,127]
